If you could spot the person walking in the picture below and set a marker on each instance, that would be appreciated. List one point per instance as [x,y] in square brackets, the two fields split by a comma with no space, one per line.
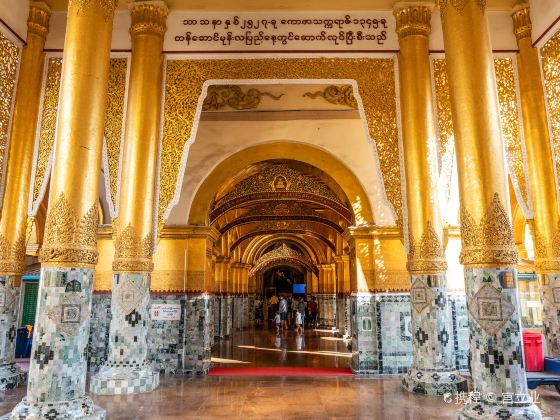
[283,306]
[301,312]
[312,305]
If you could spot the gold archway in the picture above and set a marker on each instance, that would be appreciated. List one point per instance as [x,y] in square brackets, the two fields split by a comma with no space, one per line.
[324,161]
[373,82]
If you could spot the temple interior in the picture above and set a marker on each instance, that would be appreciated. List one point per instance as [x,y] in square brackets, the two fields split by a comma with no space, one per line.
[287,209]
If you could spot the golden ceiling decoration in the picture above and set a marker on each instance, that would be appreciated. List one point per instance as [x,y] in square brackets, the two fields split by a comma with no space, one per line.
[279,178]
[280,182]
[376,84]
[282,209]
[114,120]
[70,238]
[490,241]
[336,94]
[9,59]
[550,54]
[232,96]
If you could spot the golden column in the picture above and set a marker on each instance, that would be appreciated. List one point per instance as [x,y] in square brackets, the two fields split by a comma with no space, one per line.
[488,250]
[127,370]
[69,251]
[546,226]
[13,221]
[431,321]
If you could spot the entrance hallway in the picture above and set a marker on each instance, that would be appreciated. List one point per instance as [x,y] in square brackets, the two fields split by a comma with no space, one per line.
[266,348]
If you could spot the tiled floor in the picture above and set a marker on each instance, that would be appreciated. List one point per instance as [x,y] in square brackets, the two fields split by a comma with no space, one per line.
[314,348]
[374,397]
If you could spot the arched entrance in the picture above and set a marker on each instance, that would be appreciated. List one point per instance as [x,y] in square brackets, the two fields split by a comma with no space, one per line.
[281,225]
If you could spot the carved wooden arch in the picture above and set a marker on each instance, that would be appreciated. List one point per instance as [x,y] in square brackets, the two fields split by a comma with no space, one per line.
[260,243]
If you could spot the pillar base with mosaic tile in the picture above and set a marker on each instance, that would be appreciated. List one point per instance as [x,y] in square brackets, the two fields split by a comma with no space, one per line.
[433,370]
[496,345]
[11,374]
[364,334]
[344,321]
[551,312]
[127,370]
[58,367]
[326,303]
[197,344]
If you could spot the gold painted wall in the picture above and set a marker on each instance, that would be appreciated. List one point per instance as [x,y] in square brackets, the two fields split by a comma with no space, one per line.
[9,61]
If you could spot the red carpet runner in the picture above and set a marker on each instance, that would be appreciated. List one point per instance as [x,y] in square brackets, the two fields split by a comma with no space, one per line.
[279,371]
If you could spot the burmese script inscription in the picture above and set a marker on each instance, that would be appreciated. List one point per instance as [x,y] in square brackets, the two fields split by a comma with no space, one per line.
[282,31]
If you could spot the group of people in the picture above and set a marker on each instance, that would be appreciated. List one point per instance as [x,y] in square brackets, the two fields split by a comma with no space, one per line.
[287,312]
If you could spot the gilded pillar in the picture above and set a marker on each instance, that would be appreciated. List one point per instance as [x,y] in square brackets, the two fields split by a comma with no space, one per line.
[342,271]
[57,372]
[488,249]
[13,221]
[546,226]
[432,342]
[326,298]
[127,370]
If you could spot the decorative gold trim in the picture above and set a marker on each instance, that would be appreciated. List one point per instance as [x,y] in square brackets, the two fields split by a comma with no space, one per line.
[522,22]
[490,242]
[547,252]
[426,255]
[148,18]
[107,6]
[221,96]
[69,238]
[336,94]
[413,20]
[38,20]
[459,5]
[12,256]
[132,253]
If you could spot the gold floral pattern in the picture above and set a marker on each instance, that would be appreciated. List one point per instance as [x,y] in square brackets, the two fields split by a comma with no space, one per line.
[132,253]
[376,84]
[12,256]
[490,241]
[114,120]
[511,130]
[550,54]
[547,252]
[68,237]
[232,96]
[48,125]
[426,255]
[9,60]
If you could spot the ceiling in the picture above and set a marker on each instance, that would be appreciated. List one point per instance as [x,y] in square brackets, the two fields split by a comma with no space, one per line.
[249,5]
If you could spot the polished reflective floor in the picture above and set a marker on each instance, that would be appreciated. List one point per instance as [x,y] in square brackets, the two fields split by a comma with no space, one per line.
[374,397]
[266,347]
